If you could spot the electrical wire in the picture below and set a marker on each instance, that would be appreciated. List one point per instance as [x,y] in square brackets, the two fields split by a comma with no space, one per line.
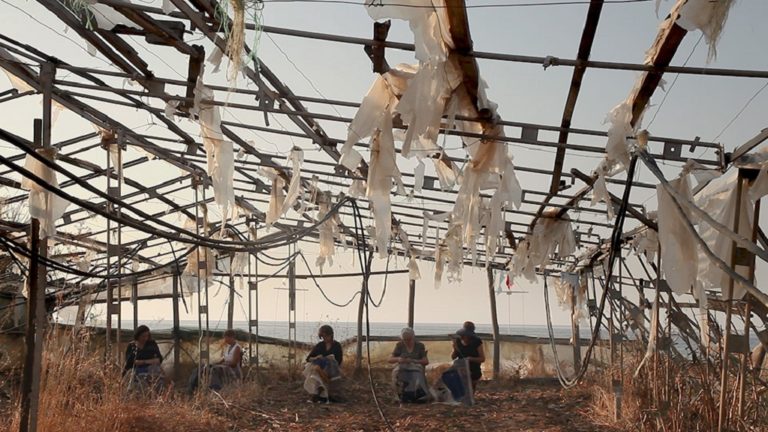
[365,266]
[328,299]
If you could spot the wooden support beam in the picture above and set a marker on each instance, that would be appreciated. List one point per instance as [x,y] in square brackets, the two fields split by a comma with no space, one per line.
[494,325]
[585,49]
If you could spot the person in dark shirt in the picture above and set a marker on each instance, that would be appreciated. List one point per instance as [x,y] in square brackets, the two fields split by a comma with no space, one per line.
[327,346]
[142,353]
[322,371]
[142,360]
[469,346]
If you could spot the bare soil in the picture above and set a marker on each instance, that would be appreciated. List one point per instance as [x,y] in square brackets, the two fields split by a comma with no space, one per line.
[501,406]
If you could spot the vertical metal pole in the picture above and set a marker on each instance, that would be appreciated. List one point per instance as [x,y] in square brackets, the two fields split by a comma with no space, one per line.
[119,269]
[231,301]
[495,326]
[253,302]
[135,300]
[618,384]
[37,279]
[110,284]
[411,302]
[27,422]
[291,311]
[722,421]
[176,334]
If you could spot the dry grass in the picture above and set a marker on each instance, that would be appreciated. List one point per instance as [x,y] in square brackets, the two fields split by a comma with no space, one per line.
[679,397]
[79,393]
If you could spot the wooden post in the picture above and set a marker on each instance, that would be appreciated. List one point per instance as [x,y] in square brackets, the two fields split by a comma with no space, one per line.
[411,301]
[495,326]
[176,335]
[722,421]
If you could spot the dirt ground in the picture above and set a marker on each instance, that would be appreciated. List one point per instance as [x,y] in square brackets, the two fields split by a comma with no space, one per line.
[511,406]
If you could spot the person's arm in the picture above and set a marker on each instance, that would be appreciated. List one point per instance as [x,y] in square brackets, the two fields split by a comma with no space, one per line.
[395,357]
[455,352]
[338,352]
[314,353]
[130,356]
[480,355]
[423,360]
[237,357]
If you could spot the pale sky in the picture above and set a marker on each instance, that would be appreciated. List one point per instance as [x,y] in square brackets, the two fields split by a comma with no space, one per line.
[696,106]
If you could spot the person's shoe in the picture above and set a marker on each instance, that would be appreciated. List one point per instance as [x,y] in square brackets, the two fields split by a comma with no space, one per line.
[319,399]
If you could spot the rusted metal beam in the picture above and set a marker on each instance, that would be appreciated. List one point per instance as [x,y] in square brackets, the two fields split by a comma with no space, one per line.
[585,49]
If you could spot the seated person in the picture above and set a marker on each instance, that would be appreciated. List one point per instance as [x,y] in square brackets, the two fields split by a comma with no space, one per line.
[408,376]
[470,347]
[143,359]
[226,371]
[323,367]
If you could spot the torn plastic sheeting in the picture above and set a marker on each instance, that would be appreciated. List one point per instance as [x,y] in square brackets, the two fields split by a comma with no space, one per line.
[454,253]
[600,194]
[428,20]
[44,206]
[759,187]
[215,59]
[617,147]
[294,188]
[381,173]
[219,153]
[413,270]
[357,188]
[678,247]
[647,243]
[422,105]
[418,176]
[521,264]
[168,7]
[276,200]
[376,105]
[718,200]
[709,17]
[652,337]
[327,233]
[447,173]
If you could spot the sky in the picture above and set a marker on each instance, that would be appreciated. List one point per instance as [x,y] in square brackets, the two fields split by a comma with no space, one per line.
[702,106]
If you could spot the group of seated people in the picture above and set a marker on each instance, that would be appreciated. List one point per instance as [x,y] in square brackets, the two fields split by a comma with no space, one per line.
[458,383]
[143,358]
[323,368]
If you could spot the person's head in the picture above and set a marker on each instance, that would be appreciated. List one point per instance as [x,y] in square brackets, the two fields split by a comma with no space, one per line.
[407,334]
[229,337]
[325,333]
[141,334]
[469,325]
[466,334]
